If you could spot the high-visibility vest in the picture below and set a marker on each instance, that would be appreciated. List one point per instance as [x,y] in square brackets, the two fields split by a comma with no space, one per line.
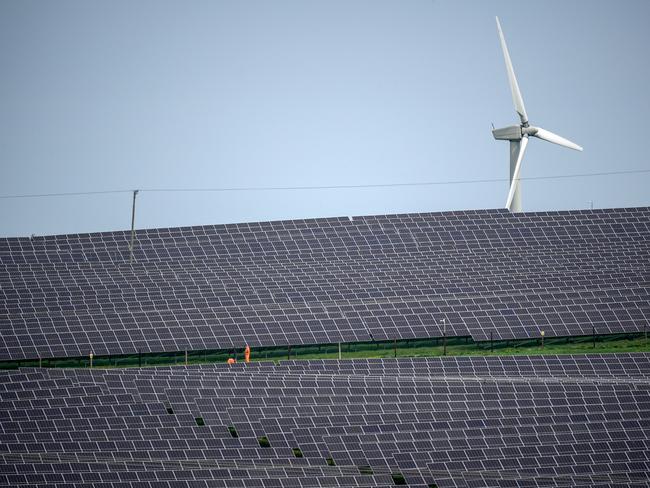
[247,354]
[231,361]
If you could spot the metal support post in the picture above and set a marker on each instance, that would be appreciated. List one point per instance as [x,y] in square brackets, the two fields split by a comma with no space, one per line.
[185,358]
[593,332]
[339,351]
[444,337]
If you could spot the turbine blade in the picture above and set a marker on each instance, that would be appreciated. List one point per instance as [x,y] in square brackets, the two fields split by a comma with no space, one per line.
[554,138]
[515,177]
[514,86]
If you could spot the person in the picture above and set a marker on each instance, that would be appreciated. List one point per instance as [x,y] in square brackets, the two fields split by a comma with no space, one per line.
[247,354]
[232,360]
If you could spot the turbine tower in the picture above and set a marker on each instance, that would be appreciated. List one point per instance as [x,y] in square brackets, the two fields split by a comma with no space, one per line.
[518,134]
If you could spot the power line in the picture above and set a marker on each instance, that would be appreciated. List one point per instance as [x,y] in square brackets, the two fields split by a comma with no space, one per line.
[68,194]
[325,187]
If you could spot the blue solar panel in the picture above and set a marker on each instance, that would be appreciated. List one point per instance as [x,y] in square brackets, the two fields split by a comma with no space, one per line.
[487,273]
[558,420]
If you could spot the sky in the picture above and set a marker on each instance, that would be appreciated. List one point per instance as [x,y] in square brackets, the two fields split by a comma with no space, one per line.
[135,94]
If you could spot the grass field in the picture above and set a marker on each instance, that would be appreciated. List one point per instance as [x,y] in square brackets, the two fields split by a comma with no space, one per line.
[637,344]
[411,348]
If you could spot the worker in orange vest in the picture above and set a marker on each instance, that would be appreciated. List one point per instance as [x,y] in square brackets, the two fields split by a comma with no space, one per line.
[247,354]
[231,361]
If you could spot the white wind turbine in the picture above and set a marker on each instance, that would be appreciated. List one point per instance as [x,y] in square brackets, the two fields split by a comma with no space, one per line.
[518,134]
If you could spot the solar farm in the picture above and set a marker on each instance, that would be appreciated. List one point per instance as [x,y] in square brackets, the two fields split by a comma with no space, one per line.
[547,420]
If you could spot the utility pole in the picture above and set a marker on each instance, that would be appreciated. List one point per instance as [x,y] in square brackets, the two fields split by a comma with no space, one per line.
[135,192]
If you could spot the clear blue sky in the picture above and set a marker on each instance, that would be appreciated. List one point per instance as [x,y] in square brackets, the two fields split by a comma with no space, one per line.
[103,95]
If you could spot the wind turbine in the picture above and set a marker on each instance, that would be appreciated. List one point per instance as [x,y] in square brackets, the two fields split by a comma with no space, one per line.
[518,134]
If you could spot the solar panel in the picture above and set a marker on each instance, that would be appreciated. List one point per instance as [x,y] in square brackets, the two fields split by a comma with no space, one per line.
[489,274]
[453,421]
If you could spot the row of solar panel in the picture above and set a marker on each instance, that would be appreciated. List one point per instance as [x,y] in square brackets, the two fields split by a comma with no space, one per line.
[293,250]
[451,256]
[490,218]
[627,221]
[298,280]
[164,329]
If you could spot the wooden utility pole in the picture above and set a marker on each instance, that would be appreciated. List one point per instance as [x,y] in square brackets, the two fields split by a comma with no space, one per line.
[135,192]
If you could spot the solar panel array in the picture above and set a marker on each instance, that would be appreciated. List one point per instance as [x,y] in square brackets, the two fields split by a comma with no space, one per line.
[444,422]
[488,274]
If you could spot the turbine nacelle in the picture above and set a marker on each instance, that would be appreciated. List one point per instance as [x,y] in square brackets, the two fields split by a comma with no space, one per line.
[510,133]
